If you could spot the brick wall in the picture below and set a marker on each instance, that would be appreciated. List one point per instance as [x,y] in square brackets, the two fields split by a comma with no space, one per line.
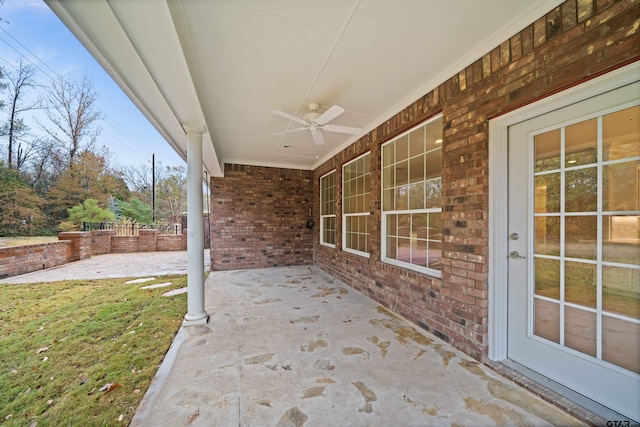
[125,244]
[574,42]
[171,242]
[259,216]
[16,260]
[101,241]
[148,240]
[81,243]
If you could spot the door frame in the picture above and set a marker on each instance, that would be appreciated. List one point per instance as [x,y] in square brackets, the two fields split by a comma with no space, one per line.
[498,188]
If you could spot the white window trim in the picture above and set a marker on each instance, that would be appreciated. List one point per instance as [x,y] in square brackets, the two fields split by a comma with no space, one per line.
[383,214]
[344,223]
[322,242]
[498,204]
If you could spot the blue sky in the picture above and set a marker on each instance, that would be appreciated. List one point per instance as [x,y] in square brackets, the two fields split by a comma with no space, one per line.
[31,31]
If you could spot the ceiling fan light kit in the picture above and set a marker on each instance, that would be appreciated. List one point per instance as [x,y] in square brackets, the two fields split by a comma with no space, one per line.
[317,122]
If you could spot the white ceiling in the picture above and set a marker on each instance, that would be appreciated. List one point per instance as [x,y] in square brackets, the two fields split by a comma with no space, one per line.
[225,64]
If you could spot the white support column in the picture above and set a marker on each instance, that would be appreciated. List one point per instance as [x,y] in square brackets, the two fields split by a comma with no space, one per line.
[196,315]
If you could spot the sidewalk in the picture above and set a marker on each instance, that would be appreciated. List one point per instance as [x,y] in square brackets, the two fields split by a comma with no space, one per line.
[137,264]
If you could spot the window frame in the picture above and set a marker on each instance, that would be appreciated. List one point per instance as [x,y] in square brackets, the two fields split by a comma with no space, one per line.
[384,214]
[367,213]
[322,217]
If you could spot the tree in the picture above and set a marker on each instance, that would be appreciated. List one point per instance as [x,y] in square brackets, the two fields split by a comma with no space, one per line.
[15,128]
[74,116]
[171,197]
[89,177]
[136,211]
[20,205]
[89,211]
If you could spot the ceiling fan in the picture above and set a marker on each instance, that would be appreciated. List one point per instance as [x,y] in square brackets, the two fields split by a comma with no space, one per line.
[316,122]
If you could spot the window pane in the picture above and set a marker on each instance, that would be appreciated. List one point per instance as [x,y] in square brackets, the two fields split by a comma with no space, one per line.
[580,330]
[416,141]
[581,143]
[621,343]
[402,173]
[581,236]
[392,248]
[435,255]
[433,193]
[404,225]
[621,134]
[416,196]
[547,235]
[404,250]
[416,169]
[581,190]
[621,290]
[547,193]
[388,157]
[435,226]
[580,283]
[402,148]
[434,164]
[402,198]
[547,320]
[547,147]
[621,238]
[621,186]
[547,280]
[419,253]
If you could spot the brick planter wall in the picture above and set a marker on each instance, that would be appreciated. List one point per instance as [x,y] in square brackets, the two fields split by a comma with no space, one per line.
[16,260]
[259,216]
[574,42]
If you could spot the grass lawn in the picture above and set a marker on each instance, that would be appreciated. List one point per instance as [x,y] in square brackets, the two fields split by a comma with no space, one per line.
[60,343]
[21,241]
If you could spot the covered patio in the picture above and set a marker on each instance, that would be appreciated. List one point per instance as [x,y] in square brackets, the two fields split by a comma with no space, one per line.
[292,346]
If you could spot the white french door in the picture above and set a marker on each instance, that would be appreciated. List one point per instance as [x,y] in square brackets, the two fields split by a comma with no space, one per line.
[574,247]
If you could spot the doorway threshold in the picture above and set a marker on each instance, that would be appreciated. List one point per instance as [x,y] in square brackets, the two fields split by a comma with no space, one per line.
[576,404]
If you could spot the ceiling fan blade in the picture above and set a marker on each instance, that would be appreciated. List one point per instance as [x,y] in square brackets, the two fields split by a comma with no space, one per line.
[318,139]
[342,129]
[284,132]
[329,115]
[289,116]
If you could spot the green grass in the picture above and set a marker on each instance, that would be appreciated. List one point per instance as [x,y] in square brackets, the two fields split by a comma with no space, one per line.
[21,241]
[95,332]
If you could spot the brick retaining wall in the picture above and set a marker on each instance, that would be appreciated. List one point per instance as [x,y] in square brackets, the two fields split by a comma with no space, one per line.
[15,260]
[77,245]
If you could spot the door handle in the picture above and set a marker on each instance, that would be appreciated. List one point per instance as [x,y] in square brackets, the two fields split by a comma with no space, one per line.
[516,255]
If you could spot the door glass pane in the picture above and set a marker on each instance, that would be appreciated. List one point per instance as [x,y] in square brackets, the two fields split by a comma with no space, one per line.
[621,291]
[618,190]
[621,238]
[581,234]
[580,330]
[547,148]
[620,345]
[581,143]
[547,193]
[547,320]
[547,235]
[547,277]
[581,190]
[580,285]
[621,134]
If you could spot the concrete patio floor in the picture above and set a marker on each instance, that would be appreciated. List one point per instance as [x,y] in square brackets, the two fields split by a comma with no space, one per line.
[292,346]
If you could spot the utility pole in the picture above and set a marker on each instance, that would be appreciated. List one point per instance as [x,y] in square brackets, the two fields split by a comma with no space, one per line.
[153,187]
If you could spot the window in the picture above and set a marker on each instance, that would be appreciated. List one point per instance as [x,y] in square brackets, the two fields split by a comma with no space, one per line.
[328,209]
[412,199]
[356,186]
